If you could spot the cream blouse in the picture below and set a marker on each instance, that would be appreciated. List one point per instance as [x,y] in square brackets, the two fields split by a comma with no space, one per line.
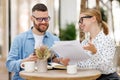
[103,59]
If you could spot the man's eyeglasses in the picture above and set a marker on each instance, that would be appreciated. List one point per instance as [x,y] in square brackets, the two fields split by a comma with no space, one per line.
[40,19]
[81,19]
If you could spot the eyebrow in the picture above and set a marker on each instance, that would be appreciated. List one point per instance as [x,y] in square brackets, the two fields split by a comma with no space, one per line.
[40,17]
[86,17]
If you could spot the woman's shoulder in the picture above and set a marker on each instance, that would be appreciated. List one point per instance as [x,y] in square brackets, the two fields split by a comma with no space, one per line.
[107,40]
[102,37]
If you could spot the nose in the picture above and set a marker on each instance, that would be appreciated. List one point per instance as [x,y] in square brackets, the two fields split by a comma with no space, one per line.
[43,21]
[80,25]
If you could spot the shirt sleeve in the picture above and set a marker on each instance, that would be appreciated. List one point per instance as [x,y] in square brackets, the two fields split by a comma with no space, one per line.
[13,61]
[102,60]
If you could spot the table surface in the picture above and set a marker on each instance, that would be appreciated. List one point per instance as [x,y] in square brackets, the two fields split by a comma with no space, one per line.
[61,75]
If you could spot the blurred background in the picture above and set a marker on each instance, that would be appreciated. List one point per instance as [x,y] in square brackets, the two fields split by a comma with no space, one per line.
[15,18]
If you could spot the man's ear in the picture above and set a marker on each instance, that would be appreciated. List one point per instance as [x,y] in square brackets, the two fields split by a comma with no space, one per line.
[31,18]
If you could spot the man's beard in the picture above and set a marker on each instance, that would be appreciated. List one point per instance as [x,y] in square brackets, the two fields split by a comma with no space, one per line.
[37,26]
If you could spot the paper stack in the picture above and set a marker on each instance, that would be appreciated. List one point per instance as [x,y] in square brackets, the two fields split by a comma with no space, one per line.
[70,49]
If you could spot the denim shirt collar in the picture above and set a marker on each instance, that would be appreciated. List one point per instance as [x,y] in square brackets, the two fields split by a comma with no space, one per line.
[31,34]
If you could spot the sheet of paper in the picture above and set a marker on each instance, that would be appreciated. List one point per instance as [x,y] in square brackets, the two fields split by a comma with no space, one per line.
[70,49]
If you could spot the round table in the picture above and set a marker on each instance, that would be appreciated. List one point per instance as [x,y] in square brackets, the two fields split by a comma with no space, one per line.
[61,75]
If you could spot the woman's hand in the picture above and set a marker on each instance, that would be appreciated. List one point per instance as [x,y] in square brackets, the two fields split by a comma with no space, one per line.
[91,48]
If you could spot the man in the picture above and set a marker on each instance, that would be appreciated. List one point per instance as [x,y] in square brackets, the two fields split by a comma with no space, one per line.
[23,46]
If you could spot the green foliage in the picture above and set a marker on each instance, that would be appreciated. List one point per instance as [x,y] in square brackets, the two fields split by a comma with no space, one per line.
[118,1]
[69,33]
[104,16]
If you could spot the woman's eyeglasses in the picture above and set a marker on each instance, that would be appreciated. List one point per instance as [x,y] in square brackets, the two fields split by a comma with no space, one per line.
[40,19]
[81,19]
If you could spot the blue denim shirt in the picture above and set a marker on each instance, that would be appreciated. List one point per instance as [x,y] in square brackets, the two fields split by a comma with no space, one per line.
[22,47]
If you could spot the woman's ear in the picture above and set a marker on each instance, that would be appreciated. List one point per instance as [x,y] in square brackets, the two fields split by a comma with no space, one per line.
[93,19]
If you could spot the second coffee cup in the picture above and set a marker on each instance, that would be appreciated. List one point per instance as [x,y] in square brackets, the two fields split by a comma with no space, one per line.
[72,69]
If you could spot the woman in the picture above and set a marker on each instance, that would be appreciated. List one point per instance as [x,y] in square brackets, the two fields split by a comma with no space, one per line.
[99,44]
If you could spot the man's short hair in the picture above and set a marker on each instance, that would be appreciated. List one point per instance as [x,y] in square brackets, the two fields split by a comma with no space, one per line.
[39,7]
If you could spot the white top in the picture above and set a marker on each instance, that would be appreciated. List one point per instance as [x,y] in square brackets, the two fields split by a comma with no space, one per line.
[38,40]
[103,59]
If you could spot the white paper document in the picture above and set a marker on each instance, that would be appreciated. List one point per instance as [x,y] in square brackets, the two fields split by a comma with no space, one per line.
[70,49]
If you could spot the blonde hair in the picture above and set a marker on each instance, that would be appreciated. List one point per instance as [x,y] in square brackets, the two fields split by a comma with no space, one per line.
[97,14]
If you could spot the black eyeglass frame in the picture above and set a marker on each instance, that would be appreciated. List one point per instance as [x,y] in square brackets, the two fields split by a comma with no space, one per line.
[81,19]
[40,19]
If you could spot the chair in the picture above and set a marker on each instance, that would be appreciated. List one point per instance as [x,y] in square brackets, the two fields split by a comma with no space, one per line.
[117,59]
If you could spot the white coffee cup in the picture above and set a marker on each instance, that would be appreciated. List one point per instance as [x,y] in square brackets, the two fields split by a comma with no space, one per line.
[28,66]
[72,69]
